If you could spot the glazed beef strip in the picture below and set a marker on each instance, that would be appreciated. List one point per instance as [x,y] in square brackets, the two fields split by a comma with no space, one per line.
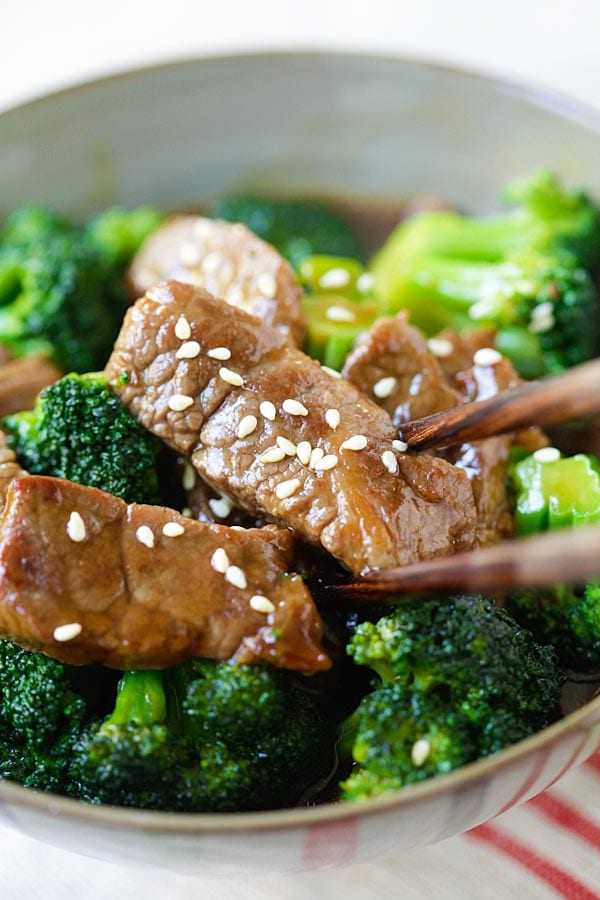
[228,261]
[144,587]
[21,380]
[284,438]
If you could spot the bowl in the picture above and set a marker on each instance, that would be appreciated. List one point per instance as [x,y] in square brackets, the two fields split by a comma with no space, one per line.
[330,123]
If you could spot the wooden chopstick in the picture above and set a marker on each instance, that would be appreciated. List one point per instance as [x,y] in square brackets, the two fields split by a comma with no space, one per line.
[550,401]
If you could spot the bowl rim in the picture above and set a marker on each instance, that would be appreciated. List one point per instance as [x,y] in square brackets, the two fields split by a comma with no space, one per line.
[177,823]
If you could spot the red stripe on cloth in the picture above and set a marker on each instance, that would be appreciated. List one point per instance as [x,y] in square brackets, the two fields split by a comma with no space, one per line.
[564,814]
[547,871]
[593,762]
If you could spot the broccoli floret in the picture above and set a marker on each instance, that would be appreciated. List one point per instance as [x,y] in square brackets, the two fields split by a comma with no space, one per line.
[204,736]
[528,274]
[467,679]
[118,233]
[80,430]
[296,228]
[30,225]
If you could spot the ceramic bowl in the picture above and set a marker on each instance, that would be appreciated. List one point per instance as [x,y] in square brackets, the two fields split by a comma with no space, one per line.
[302,122]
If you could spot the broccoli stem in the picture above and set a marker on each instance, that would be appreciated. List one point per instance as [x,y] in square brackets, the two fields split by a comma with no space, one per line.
[140,699]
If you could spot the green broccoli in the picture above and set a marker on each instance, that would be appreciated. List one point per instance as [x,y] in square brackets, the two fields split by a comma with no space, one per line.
[61,287]
[550,492]
[80,430]
[529,274]
[296,228]
[458,679]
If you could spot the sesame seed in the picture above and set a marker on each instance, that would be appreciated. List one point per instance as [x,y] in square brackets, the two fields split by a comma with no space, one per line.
[384,387]
[186,512]
[173,529]
[262,604]
[365,282]
[479,310]
[238,528]
[487,356]
[182,329]
[76,529]
[400,446]
[273,455]
[332,417]
[189,254]
[294,408]
[303,451]
[231,377]
[546,455]
[235,576]
[541,324]
[288,447]
[420,751]
[356,442]
[212,262]
[145,536]
[220,561]
[389,461]
[316,456]
[188,350]
[67,632]
[267,409]
[179,402]
[246,427]
[326,463]
[267,285]
[285,489]
[543,310]
[220,506]
[333,372]
[339,314]
[222,353]
[202,228]
[440,347]
[334,278]
[188,479]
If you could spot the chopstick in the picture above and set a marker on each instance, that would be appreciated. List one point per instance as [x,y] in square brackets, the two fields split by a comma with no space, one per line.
[550,401]
[569,556]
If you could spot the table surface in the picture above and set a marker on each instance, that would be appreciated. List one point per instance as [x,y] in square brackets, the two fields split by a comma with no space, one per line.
[550,43]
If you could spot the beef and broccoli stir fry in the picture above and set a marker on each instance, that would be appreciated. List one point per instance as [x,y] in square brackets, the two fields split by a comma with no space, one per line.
[201,415]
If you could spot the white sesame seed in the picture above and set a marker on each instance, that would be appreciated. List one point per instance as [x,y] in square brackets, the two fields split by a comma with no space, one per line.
[339,314]
[220,561]
[384,387]
[288,447]
[188,479]
[231,377]
[440,347]
[546,455]
[294,408]
[188,350]
[267,409]
[220,506]
[76,529]
[273,455]
[541,324]
[420,751]
[173,529]
[267,285]
[212,262]
[303,451]
[332,417]
[179,402]
[365,282]
[400,446]
[479,310]
[326,463]
[356,442]
[389,461]
[202,228]
[334,278]
[262,604]
[186,512]
[222,353]
[316,456]
[543,310]
[182,329]
[246,427]
[145,536]
[333,372]
[285,489]
[487,356]
[235,576]
[67,632]
[189,254]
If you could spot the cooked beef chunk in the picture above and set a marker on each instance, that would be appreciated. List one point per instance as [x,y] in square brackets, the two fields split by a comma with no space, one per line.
[143,587]
[207,505]
[266,425]
[21,380]
[9,469]
[228,261]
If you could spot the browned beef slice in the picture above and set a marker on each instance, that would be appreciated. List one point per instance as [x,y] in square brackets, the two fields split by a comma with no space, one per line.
[21,380]
[455,350]
[207,505]
[9,469]
[393,356]
[143,606]
[365,515]
[228,261]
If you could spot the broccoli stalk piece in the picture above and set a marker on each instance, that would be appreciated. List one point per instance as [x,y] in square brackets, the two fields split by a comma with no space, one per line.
[80,430]
[528,274]
[457,680]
